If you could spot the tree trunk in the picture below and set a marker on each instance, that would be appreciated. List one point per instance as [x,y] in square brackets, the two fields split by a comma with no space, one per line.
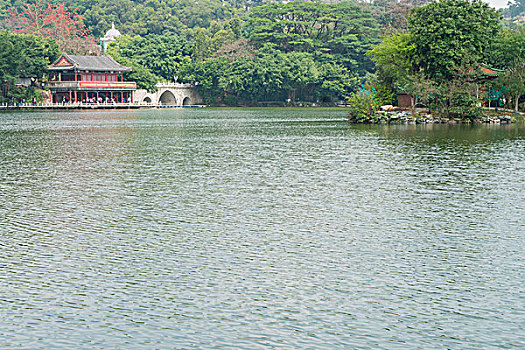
[516,103]
[413,104]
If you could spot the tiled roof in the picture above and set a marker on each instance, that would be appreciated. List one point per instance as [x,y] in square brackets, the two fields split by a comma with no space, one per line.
[491,72]
[88,63]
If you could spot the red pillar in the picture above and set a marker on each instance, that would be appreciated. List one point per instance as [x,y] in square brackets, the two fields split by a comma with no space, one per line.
[76,100]
[69,95]
[131,96]
[97,96]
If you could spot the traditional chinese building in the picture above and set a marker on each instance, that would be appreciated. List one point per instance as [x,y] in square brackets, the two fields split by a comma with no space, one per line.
[89,79]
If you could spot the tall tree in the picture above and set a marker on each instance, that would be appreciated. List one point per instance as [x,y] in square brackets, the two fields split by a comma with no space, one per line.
[342,31]
[62,23]
[392,15]
[512,48]
[143,76]
[397,70]
[10,58]
[162,54]
[23,55]
[447,31]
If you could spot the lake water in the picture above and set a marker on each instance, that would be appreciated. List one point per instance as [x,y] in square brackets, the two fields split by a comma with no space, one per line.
[259,229]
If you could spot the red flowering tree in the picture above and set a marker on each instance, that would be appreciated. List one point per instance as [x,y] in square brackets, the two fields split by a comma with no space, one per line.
[56,21]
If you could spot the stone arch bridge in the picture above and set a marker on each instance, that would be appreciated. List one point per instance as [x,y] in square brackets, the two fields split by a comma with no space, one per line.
[169,95]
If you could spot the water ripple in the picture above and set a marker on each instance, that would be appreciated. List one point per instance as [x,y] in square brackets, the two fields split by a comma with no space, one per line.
[258,229]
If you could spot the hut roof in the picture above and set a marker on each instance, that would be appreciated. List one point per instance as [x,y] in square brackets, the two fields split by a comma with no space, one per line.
[491,72]
[88,63]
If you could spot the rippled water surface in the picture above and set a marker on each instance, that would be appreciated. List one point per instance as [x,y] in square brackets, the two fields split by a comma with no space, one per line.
[268,228]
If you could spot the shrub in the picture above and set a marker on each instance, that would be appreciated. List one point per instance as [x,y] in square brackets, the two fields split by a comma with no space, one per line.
[363,106]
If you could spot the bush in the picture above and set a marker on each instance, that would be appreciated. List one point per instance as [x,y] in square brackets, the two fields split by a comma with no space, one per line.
[363,106]
[230,100]
[466,106]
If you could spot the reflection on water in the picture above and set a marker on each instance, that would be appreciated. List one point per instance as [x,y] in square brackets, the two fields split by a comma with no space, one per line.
[258,228]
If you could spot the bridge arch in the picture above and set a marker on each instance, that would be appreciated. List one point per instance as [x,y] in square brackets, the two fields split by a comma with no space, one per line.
[147,99]
[186,101]
[167,99]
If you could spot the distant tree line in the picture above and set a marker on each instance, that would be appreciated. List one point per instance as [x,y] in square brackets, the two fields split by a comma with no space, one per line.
[246,52]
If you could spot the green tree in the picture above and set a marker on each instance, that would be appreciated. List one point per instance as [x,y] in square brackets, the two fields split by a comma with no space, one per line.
[38,53]
[163,55]
[23,55]
[146,17]
[363,105]
[511,47]
[207,76]
[445,32]
[340,32]
[336,82]
[201,47]
[221,38]
[140,74]
[10,61]
[397,69]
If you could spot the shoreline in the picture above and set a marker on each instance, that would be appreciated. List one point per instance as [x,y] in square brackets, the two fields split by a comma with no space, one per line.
[406,117]
[399,117]
[87,107]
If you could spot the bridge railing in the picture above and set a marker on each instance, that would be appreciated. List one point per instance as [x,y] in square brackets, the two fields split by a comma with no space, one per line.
[174,85]
[86,105]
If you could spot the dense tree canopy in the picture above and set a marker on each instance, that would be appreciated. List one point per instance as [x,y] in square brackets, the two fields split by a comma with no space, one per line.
[271,75]
[447,32]
[344,31]
[317,56]
[440,60]
[142,17]
[52,20]
[247,51]
[510,53]
[162,54]
[23,55]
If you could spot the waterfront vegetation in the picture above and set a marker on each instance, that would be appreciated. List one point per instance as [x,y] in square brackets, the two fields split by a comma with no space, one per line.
[441,61]
[23,56]
[298,53]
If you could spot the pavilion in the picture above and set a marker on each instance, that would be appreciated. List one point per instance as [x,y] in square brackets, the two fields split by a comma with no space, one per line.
[74,79]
